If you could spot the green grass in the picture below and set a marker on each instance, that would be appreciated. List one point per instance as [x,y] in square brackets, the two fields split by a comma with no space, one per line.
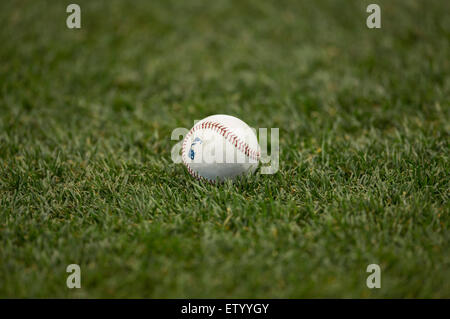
[86,175]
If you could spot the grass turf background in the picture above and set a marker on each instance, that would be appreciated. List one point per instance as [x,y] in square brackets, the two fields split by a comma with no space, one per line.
[85,169]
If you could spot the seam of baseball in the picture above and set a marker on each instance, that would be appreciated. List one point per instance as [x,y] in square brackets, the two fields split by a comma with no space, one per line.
[224,132]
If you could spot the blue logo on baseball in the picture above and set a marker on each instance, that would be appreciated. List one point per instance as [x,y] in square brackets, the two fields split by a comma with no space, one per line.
[197,140]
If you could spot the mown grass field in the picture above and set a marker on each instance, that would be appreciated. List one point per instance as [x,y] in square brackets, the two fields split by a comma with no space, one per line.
[86,175]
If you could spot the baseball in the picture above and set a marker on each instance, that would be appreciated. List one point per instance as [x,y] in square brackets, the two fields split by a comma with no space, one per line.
[220,147]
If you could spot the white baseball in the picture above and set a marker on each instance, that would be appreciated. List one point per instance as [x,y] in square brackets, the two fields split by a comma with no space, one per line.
[220,147]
